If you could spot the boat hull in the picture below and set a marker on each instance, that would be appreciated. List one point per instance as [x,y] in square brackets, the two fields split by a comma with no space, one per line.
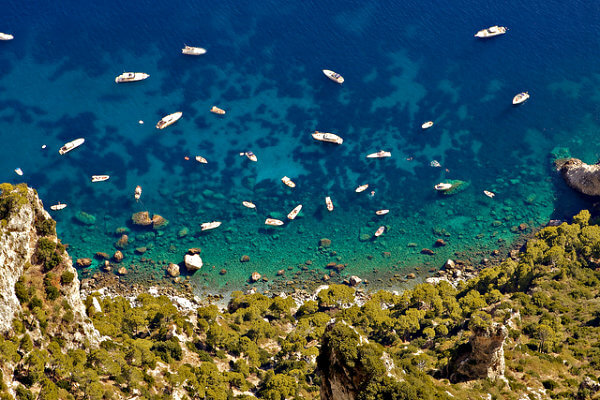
[169,120]
[334,76]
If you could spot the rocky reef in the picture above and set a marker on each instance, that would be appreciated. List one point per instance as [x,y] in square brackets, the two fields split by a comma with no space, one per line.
[580,176]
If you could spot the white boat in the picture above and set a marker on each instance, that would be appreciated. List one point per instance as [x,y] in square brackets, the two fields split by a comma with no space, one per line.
[521,97]
[273,222]
[169,120]
[491,31]
[201,159]
[361,188]
[334,76]
[379,231]
[288,182]
[427,125]
[58,206]
[489,194]
[71,145]
[435,164]
[217,110]
[248,204]
[380,154]
[329,203]
[442,186]
[327,137]
[193,51]
[131,77]
[294,213]
[6,36]
[210,225]
[138,192]
[382,212]
[251,156]
[100,178]
[19,171]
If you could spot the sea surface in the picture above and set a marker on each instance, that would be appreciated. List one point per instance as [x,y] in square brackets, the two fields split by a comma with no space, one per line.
[404,63]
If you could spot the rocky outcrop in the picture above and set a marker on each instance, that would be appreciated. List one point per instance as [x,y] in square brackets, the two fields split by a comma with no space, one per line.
[483,356]
[580,176]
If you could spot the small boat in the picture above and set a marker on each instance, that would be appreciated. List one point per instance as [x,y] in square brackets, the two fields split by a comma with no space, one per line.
[334,76]
[489,194]
[217,110]
[442,186]
[382,212]
[100,178]
[427,125]
[193,51]
[491,31]
[138,192]
[520,98]
[327,137]
[251,156]
[169,120]
[361,188]
[294,213]
[58,206]
[71,145]
[379,231]
[19,171]
[380,154]
[6,36]
[210,225]
[288,182]
[248,204]
[273,222]
[131,77]
[329,203]
[435,164]
[201,159]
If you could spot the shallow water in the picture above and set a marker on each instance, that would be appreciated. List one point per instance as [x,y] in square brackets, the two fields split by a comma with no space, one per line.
[403,65]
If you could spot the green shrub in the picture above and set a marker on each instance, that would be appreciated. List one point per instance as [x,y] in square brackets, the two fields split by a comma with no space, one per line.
[67,277]
[21,291]
[46,227]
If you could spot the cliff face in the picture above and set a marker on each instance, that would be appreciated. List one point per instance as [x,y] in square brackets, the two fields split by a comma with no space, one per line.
[580,176]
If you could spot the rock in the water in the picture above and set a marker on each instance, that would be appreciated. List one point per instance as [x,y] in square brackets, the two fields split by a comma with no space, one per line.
[449,264]
[194,250]
[141,218]
[255,276]
[354,280]
[173,270]
[580,176]
[183,232]
[85,218]
[223,271]
[118,256]
[102,255]
[324,242]
[193,262]
[427,251]
[122,242]
[158,222]
[84,262]
[411,276]
[122,271]
[440,243]
[245,258]
[141,250]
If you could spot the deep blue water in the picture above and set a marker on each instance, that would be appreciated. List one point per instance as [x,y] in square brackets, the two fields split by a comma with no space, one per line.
[403,64]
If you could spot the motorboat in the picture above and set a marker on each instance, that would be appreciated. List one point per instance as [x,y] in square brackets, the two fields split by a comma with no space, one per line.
[71,145]
[100,178]
[380,154]
[248,204]
[491,31]
[131,77]
[427,125]
[442,186]
[334,76]
[210,225]
[361,188]
[379,231]
[138,192]
[294,213]
[382,212]
[288,182]
[250,155]
[193,51]
[435,164]
[273,222]
[6,36]
[217,110]
[489,194]
[201,159]
[19,171]
[58,206]
[520,98]
[169,120]
[327,137]
[329,203]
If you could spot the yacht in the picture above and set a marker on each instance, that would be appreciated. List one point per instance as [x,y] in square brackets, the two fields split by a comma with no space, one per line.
[334,76]
[193,51]
[442,186]
[379,231]
[294,213]
[327,137]
[19,171]
[210,225]
[382,212]
[100,178]
[288,182]
[380,154]
[169,120]
[251,156]
[131,77]
[138,192]
[361,188]
[427,125]
[273,222]
[58,206]
[201,159]
[248,204]
[71,145]
[489,194]
[6,36]
[329,203]
[217,110]
[491,31]
[520,98]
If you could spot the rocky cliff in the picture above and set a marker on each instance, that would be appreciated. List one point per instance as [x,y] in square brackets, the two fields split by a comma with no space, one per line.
[580,176]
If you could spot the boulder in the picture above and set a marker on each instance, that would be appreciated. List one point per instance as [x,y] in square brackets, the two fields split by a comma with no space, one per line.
[102,256]
[440,243]
[173,270]
[580,176]
[141,250]
[324,242]
[449,264]
[427,251]
[244,258]
[158,222]
[85,218]
[122,242]
[223,271]
[84,262]
[354,280]
[118,256]
[194,250]
[106,267]
[141,218]
[122,271]
[193,262]
[254,277]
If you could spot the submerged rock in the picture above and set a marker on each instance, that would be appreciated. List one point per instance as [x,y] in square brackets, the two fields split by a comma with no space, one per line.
[580,176]
[141,218]
[84,262]
[324,242]
[255,276]
[173,270]
[158,222]
[85,218]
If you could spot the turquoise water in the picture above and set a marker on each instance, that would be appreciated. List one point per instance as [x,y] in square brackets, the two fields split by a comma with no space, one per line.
[403,65]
